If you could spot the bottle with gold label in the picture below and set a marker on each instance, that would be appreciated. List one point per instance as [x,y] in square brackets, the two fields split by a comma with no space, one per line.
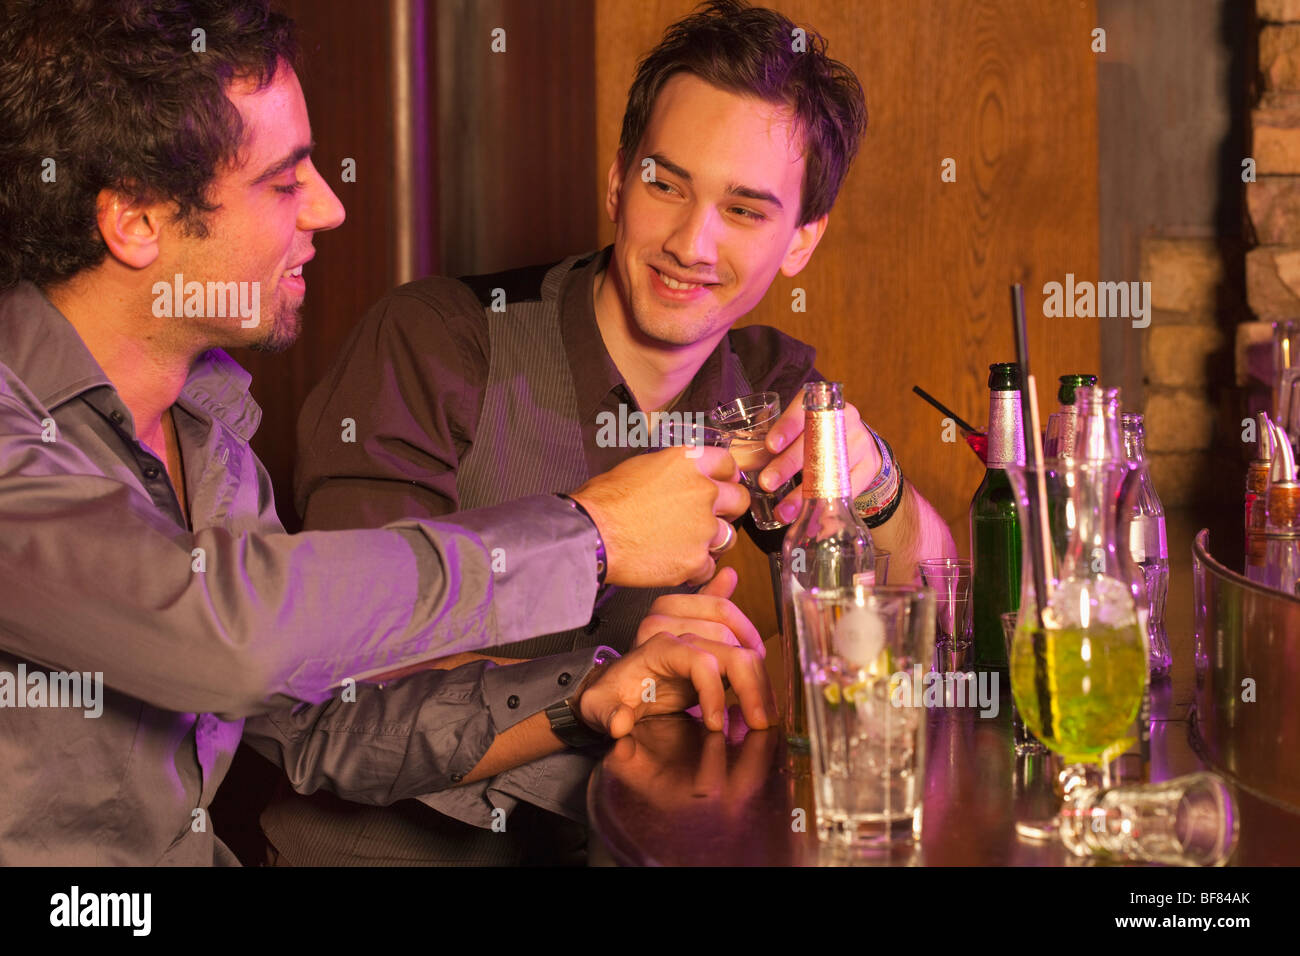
[827,546]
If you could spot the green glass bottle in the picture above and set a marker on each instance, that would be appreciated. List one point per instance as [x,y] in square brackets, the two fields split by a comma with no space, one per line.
[995,522]
[1059,440]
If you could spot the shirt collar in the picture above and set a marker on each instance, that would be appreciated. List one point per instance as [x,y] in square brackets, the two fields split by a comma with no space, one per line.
[720,378]
[594,373]
[44,351]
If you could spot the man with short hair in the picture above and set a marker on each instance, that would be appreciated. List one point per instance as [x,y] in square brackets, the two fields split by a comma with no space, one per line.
[140,182]
[733,148]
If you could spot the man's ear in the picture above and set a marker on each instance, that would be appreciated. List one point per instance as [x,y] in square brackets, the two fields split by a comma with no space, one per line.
[614,188]
[802,244]
[131,228]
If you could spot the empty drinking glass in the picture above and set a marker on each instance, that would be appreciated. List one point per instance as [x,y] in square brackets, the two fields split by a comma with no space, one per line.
[950,579]
[1187,821]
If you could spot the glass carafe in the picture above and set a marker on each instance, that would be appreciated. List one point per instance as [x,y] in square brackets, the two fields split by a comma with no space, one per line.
[1079,680]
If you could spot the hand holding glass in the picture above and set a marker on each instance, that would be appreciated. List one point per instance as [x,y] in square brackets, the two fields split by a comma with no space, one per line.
[748,420]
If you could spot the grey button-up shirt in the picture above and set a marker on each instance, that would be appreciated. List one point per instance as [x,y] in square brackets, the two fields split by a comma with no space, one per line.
[194,631]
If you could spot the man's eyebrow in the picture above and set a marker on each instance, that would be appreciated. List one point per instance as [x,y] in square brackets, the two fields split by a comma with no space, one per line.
[744,192]
[660,160]
[759,195]
[290,161]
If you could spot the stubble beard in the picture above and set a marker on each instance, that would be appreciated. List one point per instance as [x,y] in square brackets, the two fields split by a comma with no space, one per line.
[284,329]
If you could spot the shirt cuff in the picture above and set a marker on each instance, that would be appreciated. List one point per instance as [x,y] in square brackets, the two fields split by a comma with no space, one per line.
[556,782]
[517,691]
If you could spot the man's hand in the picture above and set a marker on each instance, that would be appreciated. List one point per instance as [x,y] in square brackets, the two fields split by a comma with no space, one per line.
[666,674]
[786,441]
[708,613]
[660,513]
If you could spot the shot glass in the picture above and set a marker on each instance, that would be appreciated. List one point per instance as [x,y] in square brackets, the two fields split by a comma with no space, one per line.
[671,432]
[1186,821]
[1026,743]
[860,649]
[882,567]
[879,573]
[748,420]
[950,579]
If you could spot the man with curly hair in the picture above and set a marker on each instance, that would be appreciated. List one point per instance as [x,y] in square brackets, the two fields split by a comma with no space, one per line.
[158,204]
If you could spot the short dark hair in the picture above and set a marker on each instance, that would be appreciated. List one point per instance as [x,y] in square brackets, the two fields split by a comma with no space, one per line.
[98,94]
[751,50]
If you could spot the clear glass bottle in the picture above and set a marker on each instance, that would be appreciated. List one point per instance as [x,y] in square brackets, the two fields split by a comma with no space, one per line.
[1100,438]
[827,546]
[1148,546]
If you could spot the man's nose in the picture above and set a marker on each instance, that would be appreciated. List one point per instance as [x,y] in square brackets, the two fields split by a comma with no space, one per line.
[321,209]
[694,239]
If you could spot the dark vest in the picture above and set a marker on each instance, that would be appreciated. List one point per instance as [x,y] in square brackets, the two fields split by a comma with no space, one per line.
[529,380]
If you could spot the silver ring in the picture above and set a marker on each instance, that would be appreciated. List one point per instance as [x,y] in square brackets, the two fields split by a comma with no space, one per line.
[727,542]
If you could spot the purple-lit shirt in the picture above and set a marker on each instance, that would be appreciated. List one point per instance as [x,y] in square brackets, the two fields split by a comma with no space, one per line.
[198,627]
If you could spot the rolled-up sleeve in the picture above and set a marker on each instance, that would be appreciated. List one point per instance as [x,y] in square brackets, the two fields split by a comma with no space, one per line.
[419,735]
[239,624]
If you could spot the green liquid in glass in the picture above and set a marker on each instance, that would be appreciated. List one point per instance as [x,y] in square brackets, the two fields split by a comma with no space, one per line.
[1093,680]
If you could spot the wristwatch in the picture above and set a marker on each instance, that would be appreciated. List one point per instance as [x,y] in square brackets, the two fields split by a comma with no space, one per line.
[567,722]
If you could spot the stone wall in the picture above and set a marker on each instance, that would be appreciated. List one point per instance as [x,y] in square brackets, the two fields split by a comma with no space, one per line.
[1273,198]
[1178,357]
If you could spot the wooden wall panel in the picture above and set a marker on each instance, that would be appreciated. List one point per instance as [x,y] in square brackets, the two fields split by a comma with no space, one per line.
[345,75]
[517,132]
[909,285]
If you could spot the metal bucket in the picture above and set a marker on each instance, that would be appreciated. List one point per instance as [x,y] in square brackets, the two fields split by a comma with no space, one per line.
[1246,714]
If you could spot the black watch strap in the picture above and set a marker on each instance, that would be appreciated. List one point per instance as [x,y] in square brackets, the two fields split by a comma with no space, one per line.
[565,720]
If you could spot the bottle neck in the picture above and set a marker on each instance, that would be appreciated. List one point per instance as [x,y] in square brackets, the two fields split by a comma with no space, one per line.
[826,455]
[1135,445]
[1090,520]
[1006,431]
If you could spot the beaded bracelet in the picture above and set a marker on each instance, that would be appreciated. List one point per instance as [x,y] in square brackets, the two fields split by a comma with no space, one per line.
[878,503]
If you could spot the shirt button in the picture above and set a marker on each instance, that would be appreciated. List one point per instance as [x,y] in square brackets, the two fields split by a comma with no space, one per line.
[151,472]
[512,701]
[564,679]
[457,777]
[116,417]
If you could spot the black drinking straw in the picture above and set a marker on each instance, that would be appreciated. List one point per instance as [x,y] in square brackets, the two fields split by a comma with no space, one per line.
[964,426]
[1037,507]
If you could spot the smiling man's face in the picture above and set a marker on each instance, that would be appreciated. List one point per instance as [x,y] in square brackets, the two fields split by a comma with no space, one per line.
[696,248]
[271,202]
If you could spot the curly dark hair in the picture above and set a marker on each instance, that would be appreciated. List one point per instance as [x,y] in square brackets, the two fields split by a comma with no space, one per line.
[752,50]
[116,95]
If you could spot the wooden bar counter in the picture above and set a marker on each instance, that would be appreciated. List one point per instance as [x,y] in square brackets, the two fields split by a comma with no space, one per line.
[674,794]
